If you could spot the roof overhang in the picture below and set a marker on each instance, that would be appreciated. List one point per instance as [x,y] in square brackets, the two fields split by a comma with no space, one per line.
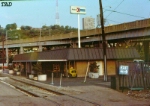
[52,60]
[25,61]
[78,54]
[39,60]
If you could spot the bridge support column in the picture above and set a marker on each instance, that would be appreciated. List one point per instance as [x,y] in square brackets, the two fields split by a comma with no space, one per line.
[21,50]
[40,48]
[146,50]
[74,45]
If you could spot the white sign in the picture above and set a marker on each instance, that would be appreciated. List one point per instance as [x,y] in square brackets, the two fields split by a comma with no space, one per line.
[77,10]
[123,70]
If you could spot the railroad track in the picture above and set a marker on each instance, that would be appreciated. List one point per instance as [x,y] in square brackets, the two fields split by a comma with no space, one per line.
[41,92]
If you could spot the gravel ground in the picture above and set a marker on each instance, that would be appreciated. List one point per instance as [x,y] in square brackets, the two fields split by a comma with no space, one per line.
[97,93]
[141,94]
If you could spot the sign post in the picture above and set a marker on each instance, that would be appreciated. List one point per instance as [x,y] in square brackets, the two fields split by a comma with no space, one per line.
[78,10]
[123,70]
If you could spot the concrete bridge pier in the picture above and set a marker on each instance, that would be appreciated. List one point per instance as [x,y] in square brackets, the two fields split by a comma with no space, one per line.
[146,50]
[21,50]
[40,48]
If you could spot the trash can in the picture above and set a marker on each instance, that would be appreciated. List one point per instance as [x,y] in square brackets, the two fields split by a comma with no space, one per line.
[113,82]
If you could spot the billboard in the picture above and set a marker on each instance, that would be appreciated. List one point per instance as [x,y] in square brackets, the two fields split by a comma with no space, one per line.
[77,10]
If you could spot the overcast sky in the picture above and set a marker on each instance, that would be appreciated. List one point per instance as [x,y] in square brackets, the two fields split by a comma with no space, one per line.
[37,13]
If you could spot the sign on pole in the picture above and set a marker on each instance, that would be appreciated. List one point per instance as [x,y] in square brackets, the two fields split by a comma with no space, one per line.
[123,70]
[77,10]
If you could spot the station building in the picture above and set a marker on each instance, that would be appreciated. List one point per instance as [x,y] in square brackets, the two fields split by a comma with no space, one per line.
[78,58]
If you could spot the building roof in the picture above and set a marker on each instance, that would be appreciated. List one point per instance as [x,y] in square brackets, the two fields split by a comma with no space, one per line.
[78,54]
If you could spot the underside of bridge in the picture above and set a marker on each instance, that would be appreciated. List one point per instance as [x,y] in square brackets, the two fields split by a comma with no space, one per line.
[141,46]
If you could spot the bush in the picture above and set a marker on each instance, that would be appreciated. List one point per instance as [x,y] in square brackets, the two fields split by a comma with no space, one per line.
[94,67]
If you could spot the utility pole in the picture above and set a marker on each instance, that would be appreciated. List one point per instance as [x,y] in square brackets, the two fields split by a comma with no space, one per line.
[103,40]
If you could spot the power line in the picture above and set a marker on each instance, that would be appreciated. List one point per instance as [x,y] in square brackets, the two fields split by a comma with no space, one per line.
[116,7]
[112,12]
[125,13]
[113,21]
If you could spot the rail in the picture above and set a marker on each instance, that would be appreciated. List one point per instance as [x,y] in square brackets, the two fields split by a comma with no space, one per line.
[34,90]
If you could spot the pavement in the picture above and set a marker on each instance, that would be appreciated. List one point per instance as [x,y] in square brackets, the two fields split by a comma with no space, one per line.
[65,81]
[94,90]
[72,82]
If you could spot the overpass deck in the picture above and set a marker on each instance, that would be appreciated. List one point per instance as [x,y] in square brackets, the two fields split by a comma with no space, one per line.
[136,29]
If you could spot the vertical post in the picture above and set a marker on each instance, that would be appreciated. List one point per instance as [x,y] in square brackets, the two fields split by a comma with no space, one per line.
[26,69]
[3,52]
[21,50]
[40,46]
[117,76]
[143,76]
[103,41]
[7,58]
[87,69]
[66,69]
[79,46]
[60,79]
[123,83]
[52,78]
[146,51]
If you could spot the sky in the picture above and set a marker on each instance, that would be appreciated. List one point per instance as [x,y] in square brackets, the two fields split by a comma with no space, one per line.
[36,13]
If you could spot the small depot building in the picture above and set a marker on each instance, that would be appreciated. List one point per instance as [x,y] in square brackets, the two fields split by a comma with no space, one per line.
[62,59]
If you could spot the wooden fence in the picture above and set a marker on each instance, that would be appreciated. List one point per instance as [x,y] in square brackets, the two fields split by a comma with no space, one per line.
[138,76]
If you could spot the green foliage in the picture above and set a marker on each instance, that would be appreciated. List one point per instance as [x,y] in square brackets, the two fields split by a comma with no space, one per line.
[26,28]
[37,67]
[29,32]
[11,26]
[2,32]
[94,67]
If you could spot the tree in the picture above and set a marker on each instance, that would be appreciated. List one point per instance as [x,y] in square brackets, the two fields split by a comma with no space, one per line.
[26,27]
[44,27]
[11,26]
[14,26]
[37,68]
[8,27]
